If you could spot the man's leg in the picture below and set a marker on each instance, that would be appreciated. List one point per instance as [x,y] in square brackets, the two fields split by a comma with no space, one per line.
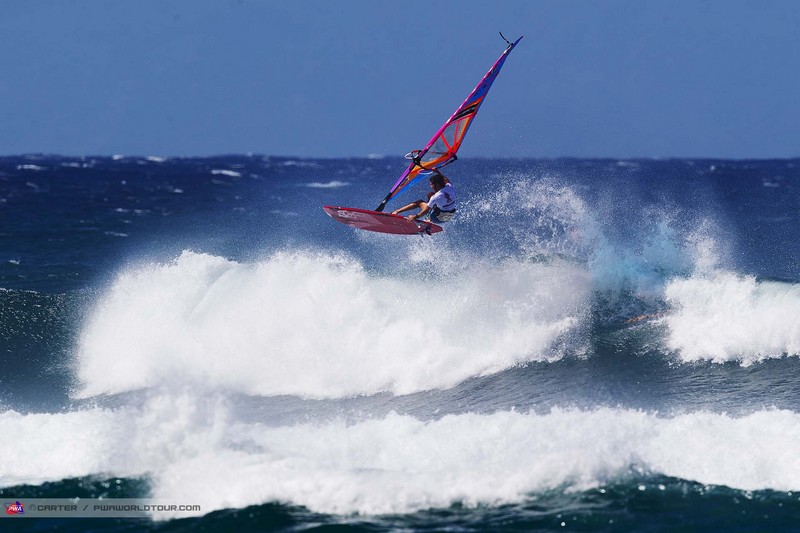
[409,207]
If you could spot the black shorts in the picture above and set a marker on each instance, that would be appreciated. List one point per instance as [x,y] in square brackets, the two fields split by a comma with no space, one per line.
[438,216]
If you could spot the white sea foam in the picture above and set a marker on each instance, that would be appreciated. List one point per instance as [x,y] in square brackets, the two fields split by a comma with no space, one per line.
[192,449]
[57,446]
[304,164]
[319,325]
[335,184]
[727,317]
[229,173]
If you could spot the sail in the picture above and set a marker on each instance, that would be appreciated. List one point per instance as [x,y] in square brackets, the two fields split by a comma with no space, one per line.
[443,146]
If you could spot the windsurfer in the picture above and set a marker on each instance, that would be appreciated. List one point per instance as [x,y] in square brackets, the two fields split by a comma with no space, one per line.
[441,204]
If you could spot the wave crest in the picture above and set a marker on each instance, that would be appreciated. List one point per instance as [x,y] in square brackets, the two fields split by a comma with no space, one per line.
[320,326]
[728,317]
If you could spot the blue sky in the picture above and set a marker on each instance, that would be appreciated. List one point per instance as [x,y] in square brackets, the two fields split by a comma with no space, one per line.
[616,78]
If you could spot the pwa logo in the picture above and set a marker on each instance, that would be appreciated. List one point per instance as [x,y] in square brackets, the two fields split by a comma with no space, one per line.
[15,508]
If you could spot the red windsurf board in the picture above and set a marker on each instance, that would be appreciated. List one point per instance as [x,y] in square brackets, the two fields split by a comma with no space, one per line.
[380,222]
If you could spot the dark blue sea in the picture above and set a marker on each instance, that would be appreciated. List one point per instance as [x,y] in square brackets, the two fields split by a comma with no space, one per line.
[590,345]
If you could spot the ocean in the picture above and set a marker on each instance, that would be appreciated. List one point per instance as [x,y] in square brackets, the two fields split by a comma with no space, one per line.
[590,345]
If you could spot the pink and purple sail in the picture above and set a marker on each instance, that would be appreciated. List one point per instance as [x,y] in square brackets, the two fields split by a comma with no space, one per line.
[443,146]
